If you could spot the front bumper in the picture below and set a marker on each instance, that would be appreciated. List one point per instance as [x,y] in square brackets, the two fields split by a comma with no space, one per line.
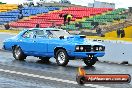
[3,47]
[86,54]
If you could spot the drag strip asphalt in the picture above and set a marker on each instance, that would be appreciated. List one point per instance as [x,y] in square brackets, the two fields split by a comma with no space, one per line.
[49,78]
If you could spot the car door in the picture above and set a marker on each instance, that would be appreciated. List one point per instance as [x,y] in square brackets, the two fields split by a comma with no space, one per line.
[27,42]
[40,42]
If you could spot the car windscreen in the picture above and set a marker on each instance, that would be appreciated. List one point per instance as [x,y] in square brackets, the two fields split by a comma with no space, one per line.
[58,33]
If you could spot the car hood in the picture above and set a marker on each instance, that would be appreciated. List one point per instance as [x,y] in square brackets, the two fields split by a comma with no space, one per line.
[80,40]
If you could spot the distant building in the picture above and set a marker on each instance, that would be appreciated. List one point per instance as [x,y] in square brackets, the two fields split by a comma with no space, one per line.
[65,2]
[90,5]
[98,4]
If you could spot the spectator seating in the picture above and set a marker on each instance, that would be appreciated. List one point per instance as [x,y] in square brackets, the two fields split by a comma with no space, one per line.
[27,11]
[12,15]
[7,7]
[10,12]
[110,16]
[46,20]
[9,16]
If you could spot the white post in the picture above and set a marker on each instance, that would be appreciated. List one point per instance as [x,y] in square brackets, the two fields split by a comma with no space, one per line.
[94,4]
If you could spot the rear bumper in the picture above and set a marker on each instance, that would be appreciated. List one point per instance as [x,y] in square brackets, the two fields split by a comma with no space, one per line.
[86,54]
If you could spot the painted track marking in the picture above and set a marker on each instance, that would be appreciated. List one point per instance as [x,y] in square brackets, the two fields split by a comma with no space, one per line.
[49,78]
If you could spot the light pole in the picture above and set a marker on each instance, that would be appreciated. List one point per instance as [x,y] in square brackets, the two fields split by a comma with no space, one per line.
[94,4]
[93,7]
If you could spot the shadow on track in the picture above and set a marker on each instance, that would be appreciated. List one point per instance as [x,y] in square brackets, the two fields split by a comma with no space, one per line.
[50,65]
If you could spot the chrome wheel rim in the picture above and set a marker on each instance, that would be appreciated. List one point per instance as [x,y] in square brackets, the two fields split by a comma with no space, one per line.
[17,52]
[61,57]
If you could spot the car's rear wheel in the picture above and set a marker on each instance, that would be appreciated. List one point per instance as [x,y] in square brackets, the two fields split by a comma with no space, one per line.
[61,57]
[90,61]
[18,53]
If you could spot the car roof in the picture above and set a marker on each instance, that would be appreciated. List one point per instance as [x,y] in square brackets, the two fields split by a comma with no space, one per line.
[44,29]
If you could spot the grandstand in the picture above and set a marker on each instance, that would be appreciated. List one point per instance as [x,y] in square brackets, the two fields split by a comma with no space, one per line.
[8,13]
[32,21]
[45,20]
[109,19]
[100,15]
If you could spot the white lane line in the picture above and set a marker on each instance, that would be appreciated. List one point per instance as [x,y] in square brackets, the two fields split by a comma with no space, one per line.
[49,78]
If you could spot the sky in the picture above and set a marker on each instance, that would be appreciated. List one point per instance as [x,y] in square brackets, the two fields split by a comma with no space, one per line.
[119,3]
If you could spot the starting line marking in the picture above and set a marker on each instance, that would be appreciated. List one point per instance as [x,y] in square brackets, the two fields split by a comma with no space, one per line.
[49,78]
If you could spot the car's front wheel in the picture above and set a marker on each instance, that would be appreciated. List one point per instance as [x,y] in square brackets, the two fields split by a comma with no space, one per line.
[18,53]
[61,57]
[90,61]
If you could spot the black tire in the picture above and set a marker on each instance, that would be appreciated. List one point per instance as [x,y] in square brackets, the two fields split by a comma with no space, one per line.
[45,59]
[59,58]
[90,62]
[18,53]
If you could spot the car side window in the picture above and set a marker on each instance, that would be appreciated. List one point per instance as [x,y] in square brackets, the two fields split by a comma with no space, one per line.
[49,34]
[39,34]
[28,34]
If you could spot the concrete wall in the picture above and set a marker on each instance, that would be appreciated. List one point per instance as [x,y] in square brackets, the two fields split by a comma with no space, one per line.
[128,33]
[117,51]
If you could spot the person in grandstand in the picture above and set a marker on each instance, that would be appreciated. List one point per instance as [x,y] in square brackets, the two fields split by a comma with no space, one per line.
[122,33]
[78,25]
[20,16]
[20,8]
[98,31]
[95,24]
[53,25]
[31,4]
[37,26]
[7,26]
[67,17]
[64,16]
[118,32]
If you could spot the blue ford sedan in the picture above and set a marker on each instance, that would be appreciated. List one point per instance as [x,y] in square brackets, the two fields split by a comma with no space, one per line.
[52,42]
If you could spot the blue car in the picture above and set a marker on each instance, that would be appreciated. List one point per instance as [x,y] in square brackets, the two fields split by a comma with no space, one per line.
[52,42]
